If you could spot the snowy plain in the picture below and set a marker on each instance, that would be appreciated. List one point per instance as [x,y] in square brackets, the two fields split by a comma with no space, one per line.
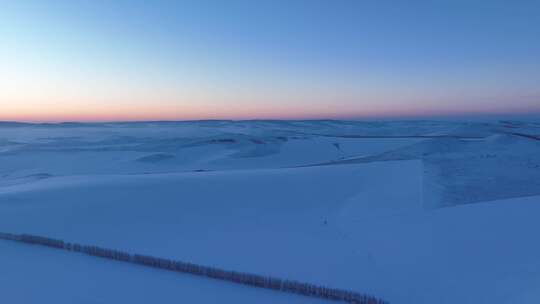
[412,212]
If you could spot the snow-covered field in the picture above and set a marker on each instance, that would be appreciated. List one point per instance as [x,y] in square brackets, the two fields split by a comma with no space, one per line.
[412,212]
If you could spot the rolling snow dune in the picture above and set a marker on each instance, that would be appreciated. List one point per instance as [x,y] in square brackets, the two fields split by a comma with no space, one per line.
[370,233]
[314,201]
[280,222]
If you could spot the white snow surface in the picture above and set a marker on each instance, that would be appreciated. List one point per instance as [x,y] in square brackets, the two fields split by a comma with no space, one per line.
[412,212]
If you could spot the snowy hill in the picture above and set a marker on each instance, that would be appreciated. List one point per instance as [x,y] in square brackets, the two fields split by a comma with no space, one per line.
[355,205]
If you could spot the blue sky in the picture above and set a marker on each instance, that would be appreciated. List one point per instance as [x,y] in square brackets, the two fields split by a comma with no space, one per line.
[135,60]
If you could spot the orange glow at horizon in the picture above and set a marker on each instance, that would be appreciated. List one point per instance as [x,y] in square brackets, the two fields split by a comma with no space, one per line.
[200,106]
[154,113]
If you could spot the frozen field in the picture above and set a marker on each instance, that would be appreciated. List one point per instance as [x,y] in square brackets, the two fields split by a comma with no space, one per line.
[412,212]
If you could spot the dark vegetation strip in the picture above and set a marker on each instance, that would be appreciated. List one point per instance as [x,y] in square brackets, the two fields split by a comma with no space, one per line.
[399,136]
[296,287]
[527,136]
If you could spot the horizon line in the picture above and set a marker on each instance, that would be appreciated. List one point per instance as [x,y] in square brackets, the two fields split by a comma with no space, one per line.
[464,117]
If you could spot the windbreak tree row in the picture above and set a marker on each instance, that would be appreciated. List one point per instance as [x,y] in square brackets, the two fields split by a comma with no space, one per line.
[255,280]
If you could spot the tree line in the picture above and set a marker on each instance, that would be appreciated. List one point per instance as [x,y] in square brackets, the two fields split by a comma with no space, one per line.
[267,282]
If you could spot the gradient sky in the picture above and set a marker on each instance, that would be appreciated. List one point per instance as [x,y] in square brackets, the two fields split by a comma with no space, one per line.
[167,60]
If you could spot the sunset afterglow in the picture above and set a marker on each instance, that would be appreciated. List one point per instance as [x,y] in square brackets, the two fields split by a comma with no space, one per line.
[183,60]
